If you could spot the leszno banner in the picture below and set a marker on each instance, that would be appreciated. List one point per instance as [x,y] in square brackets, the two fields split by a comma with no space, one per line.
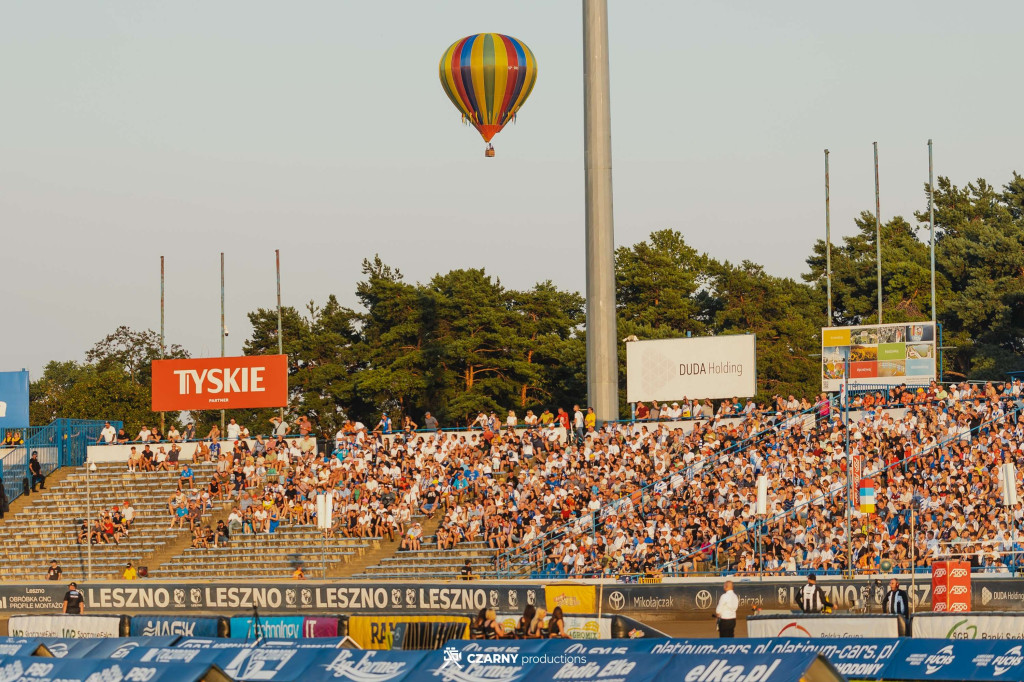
[220,383]
[705,367]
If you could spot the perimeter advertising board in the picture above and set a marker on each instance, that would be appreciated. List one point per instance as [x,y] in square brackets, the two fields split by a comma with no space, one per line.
[220,383]
[14,400]
[705,367]
[886,354]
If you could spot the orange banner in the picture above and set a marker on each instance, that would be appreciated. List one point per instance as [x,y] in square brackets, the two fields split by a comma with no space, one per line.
[220,383]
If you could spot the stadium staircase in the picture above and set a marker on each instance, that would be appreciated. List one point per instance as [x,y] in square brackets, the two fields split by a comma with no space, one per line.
[47,524]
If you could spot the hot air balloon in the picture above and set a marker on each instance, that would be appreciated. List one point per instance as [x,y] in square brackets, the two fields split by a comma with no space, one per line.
[488,77]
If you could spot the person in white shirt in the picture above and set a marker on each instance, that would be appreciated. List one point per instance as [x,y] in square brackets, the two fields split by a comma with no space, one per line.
[726,611]
[234,430]
[107,435]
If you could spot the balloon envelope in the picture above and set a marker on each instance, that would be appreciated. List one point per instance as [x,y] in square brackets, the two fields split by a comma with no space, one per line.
[488,77]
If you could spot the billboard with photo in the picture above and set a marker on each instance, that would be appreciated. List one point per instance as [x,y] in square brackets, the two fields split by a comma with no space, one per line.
[886,354]
[14,400]
[704,367]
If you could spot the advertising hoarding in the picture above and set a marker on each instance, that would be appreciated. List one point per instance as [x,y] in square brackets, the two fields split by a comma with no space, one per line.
[878,354]
[704,367]
[220,383]
[14,400]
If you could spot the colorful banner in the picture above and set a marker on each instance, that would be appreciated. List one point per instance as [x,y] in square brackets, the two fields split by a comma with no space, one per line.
[220,383]
[276,627]
[376,632]
[14,400]
[572,598]
[887,354]
[319,626]
[867,496]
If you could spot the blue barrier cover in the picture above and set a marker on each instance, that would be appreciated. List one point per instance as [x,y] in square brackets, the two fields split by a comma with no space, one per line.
[364,666]
[760,667]
[627,667]
[70,647]
[271,664]
[120,647]
[930,659]
[166,626]
[289,627]
[174,655]
[18,646]
[84,669]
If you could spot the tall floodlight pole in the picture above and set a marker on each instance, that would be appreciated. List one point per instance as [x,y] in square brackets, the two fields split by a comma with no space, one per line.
[602,349]
[163,428]
[931,222]
[280,338]
[878,236]
[828,244]
[223,327]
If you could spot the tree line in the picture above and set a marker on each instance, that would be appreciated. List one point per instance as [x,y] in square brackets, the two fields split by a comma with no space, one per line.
[462,342]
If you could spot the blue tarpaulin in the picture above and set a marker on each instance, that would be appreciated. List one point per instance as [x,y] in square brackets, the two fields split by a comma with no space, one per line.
[937,659]
[33,669]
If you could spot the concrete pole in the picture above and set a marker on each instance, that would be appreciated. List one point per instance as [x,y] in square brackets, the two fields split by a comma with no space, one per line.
[931,222]
[602,346]
[163,426]
[828,245]
[223,328]
[280,339]
[878,236]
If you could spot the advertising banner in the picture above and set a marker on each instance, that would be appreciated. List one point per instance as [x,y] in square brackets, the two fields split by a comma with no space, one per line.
[928,659]
[705,367]
[272,626]
[833,626]
[376,632]
[365,666]
[951,586]
[628,667]
[166,626]
[14,400]
[969,625]
[123,647]
[92,669]
[760,667]
[220,383]
[320,626]
[886,354]
[60,625]
[572,598]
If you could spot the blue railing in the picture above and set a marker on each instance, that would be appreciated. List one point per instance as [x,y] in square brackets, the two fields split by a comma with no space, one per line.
[64,442]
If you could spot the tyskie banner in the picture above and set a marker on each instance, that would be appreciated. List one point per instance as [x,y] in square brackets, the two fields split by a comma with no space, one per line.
[245,382]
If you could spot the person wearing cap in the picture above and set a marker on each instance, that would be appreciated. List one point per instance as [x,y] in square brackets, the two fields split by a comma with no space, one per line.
[36,469]
[54,572]
[129,572]
[812,597]
[74,601]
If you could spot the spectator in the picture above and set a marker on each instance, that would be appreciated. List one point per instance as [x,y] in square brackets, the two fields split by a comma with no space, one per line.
[429,422]
[54,572]
[234,431]
[129,572]
[186,475]
[107,434]
[36,469]
[74,600]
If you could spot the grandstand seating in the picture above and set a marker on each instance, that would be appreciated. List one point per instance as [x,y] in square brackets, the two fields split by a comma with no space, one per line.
[48,527]
[430,562]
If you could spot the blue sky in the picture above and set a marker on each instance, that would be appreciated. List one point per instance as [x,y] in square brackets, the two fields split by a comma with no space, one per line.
[134,130]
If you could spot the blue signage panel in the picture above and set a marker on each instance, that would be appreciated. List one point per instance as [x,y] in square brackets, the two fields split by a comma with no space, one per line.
[271,627]
[14,400]
[168,626]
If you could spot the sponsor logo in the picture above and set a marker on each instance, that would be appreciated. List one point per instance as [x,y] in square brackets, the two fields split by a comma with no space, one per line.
[616,600]
[703,600]
[784,596]
[289,597]
[794,629]
[961,630]
[986,596]
[938,660]
[258,664]
[1011,659]
[410,596]
[236,382]
[513,599]
[306,596]
[452,658]
[939,606]
[939,589]
[724,669]
[195,595]
[166,628]
[959,607]
[958,573]
[958,589]
[939,572]
[179,597]
[493,598]
[366,669]
[531,597]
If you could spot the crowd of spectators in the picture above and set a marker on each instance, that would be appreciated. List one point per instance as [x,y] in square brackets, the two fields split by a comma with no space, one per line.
[672,490]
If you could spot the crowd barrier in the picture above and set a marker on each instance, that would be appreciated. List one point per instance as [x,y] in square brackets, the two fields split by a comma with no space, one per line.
[535,660]
[828,626]
[998,625]
[691,599]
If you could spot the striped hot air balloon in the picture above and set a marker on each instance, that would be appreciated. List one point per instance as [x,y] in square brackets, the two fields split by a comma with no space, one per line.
[488,77]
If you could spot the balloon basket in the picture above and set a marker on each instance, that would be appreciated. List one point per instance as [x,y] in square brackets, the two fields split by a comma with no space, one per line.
[489,152]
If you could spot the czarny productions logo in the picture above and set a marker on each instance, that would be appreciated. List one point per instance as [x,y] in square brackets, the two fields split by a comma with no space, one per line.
[452,657]
[616,600]
[703,600]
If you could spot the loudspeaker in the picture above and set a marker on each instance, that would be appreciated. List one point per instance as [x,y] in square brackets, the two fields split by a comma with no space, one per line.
[143,571]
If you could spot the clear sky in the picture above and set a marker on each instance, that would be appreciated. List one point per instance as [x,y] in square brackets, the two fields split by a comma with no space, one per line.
[132,130]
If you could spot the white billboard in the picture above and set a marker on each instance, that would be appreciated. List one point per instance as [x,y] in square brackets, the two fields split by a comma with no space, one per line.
[702,367]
